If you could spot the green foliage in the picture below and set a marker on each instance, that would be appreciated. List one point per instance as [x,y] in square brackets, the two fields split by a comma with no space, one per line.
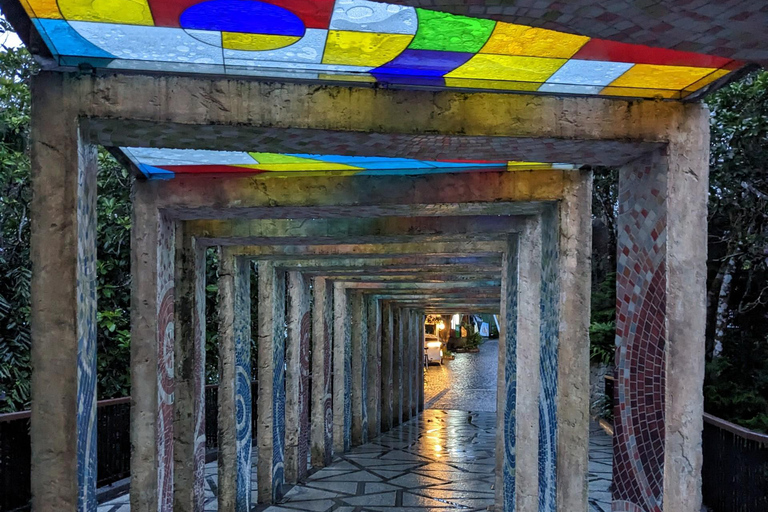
[15,270]
[602,328]
[736,386]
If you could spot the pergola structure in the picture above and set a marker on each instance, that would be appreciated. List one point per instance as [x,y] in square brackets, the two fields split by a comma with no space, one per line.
[377,163]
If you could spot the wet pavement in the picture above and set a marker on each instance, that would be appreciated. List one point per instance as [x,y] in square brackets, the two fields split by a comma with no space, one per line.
[443,460]
[468,383]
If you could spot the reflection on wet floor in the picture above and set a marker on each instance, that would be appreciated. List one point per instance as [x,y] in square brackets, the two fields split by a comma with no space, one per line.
[442,460]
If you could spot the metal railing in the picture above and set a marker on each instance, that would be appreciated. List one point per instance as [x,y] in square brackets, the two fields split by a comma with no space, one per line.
[735,472]
[113,446]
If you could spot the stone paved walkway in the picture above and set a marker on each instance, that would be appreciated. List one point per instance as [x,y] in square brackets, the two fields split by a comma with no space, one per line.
[443,460]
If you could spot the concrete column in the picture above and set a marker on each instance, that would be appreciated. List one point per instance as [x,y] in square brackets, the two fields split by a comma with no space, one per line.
[297,393]
[234,415]
[152,256]
[359,335]
[189,387]
[63,307]
[322,404]
[397,366]
[422,343]
[270,433]
[661,280]
[342,371]
[374,402]
[575,281]
[387,357]
[416,360]
[407,346]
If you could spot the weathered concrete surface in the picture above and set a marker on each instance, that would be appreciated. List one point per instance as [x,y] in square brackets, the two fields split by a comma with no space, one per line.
[152,256]
[63,306]
[528,374]
[575,269]
[687,166]
[227,436]
[387,363]
[189,385]
[374,402]
[398,362]
[359,363]
[322,345]
[297,393]
[271,377]
[341,370]
[166,100]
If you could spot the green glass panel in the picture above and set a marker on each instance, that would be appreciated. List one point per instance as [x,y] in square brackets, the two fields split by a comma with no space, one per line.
[450,33]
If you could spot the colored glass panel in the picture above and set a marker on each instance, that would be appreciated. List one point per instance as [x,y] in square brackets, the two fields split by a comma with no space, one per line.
[510,39]
[42,9]
[601,49]
[451,33]
[360,40]
[242,16]
[365,16]
[363,49]
[505,67]
[666,77]
[255,42]
[133,12]
[423,63]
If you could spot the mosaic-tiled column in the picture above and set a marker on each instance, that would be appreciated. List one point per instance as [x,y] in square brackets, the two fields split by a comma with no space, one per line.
[359,336]
[63,307]
[152,335]
[270,433]
[407,343]
[661,276]
[387,358]
[506,393]
[397,366]
[321,437]
[549,330]
[373,382]
[297,378]
[342,370]
[189,391]
[234,415]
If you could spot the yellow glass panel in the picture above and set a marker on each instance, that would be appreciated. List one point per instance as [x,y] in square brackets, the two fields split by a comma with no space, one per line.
[510,39]
[363,48]
[506,67]
[502,85]
[318,168]
[527,166]
[278,162]
[255,42]
[650,76]
[304,174]
[129,12]
[631,92]
[48,9]
[720,73]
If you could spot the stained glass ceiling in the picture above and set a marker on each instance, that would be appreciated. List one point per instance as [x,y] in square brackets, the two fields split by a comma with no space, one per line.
[359,40]
[167,163]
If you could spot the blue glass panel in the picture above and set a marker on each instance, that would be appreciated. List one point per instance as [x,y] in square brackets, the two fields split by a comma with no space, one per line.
[155,173]
[68,41]
[244,16]
[423,63]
